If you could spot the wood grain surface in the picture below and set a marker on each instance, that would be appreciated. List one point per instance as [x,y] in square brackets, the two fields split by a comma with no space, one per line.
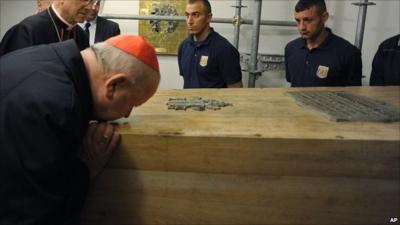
[265,160]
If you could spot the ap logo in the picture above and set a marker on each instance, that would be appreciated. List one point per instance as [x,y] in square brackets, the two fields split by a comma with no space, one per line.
[394,220]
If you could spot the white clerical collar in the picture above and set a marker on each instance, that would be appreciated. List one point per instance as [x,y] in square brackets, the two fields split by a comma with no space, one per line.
[69,26]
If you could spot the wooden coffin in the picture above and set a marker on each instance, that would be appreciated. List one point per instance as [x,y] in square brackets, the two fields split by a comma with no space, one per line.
[264,160]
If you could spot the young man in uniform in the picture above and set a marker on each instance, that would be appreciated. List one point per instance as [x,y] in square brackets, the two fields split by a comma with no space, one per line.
[319,57]
[205,58]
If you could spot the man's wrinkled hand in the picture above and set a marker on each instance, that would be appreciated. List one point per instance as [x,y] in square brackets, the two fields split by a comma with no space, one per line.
[99,143]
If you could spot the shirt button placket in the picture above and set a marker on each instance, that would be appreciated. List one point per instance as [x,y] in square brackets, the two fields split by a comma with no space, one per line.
[308,66]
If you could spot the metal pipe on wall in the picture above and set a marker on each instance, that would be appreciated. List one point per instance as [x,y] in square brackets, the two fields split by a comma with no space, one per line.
[362,14]
[272,23]
[237,23]
[214,20]
[254,44]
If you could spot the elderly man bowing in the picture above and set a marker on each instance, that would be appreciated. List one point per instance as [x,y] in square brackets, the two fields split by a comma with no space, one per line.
[48,95]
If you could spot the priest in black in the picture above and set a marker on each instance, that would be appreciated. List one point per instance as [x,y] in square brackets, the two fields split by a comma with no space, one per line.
[48,95]
[55,24]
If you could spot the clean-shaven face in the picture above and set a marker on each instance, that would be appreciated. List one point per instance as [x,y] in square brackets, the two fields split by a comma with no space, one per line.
[93,12]
[197,20]
[310,23]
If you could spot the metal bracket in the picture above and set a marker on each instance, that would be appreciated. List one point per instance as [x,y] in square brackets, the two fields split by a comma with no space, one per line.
[237,20]
[363,3]
[238,6]
[266,62]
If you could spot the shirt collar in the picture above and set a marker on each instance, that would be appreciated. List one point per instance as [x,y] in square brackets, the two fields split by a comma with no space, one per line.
[83,24]
[92,22]
[205,41]
[323,45]
[69,26]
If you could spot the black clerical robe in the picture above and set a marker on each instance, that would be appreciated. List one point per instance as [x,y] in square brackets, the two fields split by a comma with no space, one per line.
[40,29]
[45,108]
[105,29]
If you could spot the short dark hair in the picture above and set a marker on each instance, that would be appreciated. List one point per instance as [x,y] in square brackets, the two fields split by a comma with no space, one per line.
[206,4]
[307,4]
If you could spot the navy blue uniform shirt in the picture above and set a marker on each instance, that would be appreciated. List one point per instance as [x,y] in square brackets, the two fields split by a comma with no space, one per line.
[212,63]
[335,62]
[386,64]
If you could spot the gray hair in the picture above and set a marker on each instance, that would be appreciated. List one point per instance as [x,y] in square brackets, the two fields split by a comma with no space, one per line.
[113,60]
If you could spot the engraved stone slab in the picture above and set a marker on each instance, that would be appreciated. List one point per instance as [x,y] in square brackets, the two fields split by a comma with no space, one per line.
[196,103]
[341,106]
